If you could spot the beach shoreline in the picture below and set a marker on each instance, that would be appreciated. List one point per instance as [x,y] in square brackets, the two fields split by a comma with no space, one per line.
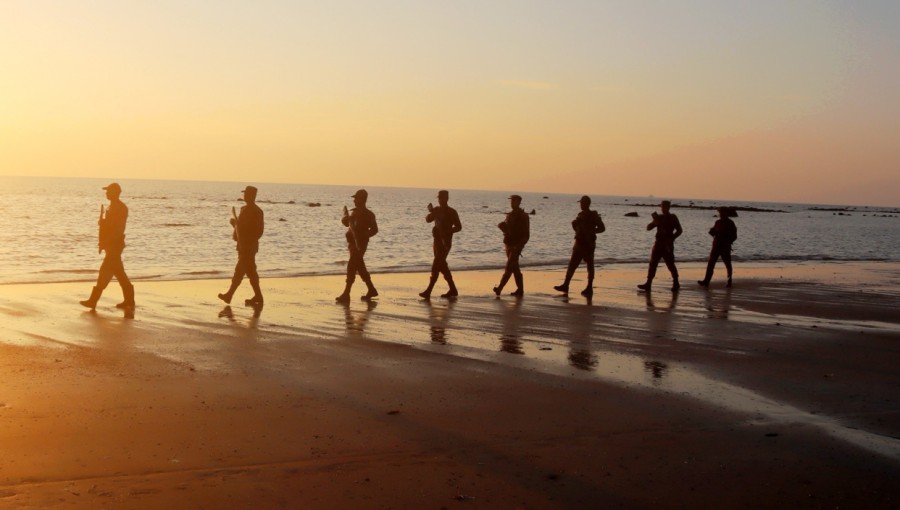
[781,391]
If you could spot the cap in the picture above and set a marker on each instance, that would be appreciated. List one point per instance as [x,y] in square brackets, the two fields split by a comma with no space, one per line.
[362,194]
[251,189]
[113,187]
[443,193]
[666,203]
[585,198]
[515,197]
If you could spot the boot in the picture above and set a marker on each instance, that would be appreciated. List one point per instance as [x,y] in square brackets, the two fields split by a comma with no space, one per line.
[703,283]
[91,302]
[345,296]
[729,283]
[257,299]
[128,294]
[372,292]
[646,286]
[589,290]
[675,284]
[564,288]
[427,292]
[452,292]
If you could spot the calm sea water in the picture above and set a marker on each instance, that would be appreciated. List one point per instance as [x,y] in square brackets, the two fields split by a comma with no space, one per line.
[180,230]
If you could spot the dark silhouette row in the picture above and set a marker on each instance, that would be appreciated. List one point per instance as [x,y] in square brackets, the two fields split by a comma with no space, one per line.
[362,225]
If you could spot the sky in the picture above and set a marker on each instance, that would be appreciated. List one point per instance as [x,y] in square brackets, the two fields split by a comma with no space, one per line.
[783,101]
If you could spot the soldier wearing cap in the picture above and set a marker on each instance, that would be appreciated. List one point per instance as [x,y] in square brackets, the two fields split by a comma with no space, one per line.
[248,229]
[668,228]
[586,226]
[446,223]
[516,232]
[361,225]
[724,234]
[112,241]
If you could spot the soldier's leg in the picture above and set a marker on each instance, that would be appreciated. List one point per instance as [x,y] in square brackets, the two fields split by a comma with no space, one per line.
[655,256]
[118,268]
[507,272]
[669,257]
[351,275]
[445,270]
[104,276]
[371,291]
[574,260]
[589,260]
[253,276]
[710,266]
[517,274]
[435,269]
[726,258]
[236,279]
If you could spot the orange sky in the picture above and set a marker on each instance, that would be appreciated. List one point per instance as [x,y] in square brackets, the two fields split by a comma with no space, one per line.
[769,102]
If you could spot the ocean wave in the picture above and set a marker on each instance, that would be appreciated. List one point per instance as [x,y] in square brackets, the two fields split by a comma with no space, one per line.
[66,271]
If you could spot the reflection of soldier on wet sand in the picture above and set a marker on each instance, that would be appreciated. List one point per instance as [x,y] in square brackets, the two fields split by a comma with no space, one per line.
[668,228]
[440,318]
[586,225]
[724,234]
[516,231]
[355,321]
[361,225]
[248,229]
[510,317]
[112,241]
[446,223]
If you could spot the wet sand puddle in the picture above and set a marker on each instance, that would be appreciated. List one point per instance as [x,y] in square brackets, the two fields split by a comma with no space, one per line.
[633,348]
[622,337]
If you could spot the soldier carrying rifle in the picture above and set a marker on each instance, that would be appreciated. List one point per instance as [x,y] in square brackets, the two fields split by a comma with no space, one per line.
[248,228]
[112,241]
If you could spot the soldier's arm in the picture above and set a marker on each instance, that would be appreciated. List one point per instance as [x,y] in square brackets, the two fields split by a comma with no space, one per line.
[677,227]
[261,224]
[457,225]
[373,228]
[527,234]
[599,227]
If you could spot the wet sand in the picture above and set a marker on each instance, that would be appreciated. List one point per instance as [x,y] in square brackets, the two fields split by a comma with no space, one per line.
[781,392]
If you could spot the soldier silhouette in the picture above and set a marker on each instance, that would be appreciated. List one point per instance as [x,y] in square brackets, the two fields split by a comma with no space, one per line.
[446,223]
[361,225]
[248,229]
[586,226]
[724,234]
[516,231]
[668,228]
[112,241]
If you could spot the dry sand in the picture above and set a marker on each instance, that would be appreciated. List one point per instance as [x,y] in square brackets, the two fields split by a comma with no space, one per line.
[781,392]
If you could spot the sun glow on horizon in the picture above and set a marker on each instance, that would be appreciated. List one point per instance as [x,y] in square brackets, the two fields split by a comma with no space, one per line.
[734,101]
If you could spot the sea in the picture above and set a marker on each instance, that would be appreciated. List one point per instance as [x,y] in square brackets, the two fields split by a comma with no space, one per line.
[179,230]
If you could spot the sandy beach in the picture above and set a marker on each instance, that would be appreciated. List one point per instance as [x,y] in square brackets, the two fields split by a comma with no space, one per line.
[782,392]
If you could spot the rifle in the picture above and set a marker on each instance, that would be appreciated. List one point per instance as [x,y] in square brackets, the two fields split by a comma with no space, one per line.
[352,227]
[100,231]
[234,218]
